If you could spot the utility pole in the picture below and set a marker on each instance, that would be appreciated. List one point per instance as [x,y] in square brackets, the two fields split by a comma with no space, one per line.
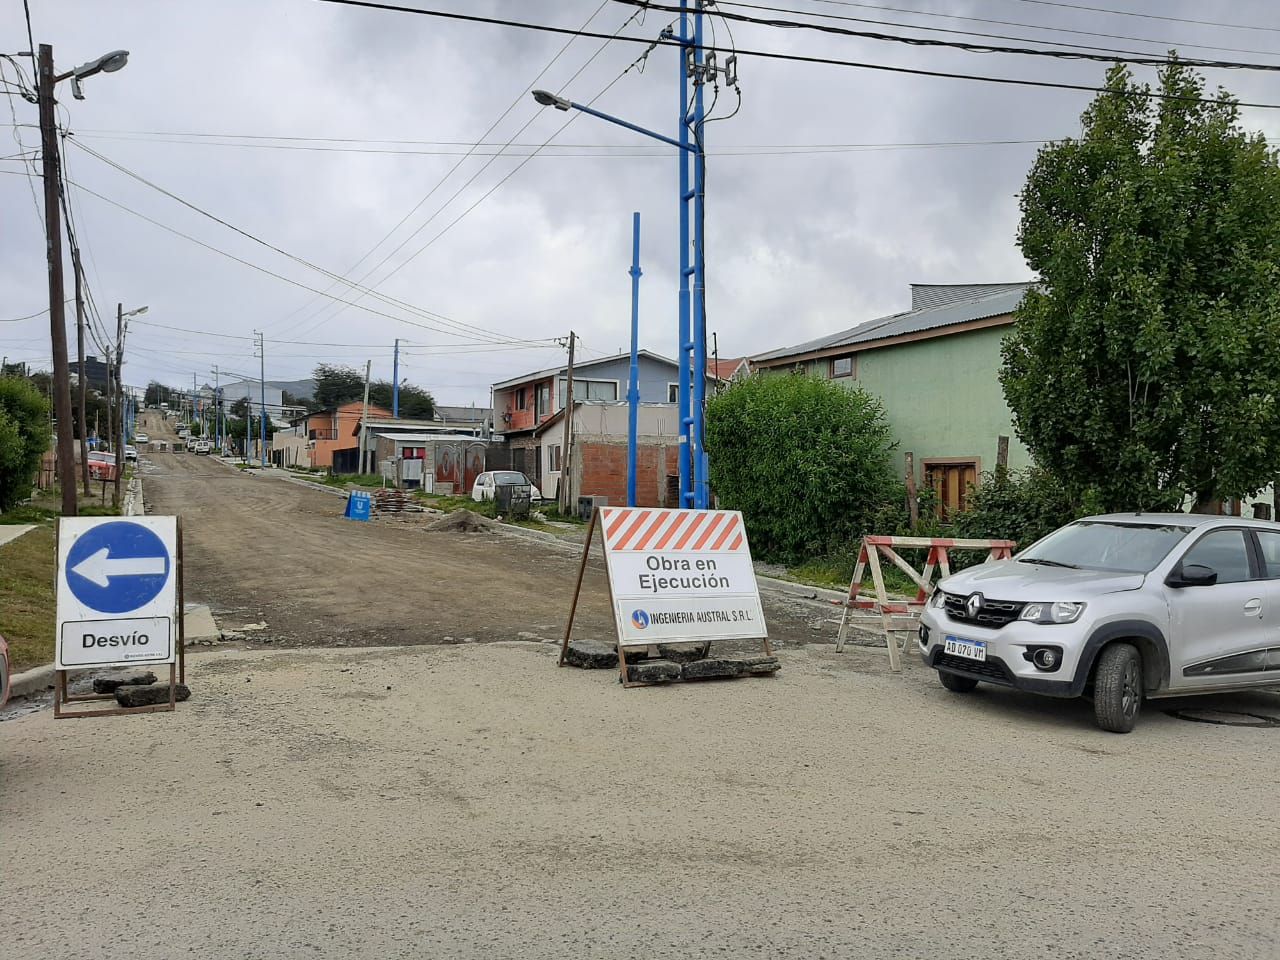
[217,411]
[566,453]
[111,430]
[715,361]
[119,437]
[262,386]
[45,80]
[395,382]
[368,368]
[633,378]
[82,387]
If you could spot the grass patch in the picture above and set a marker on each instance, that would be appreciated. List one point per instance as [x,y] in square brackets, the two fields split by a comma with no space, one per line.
[484,508]
[343,480]
[835,573]
[27,598]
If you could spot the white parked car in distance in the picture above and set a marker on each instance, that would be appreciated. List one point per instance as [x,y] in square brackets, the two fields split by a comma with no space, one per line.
[487,483]
[141,438]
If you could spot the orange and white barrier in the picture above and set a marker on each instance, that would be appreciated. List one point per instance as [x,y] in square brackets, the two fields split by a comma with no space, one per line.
[896,616]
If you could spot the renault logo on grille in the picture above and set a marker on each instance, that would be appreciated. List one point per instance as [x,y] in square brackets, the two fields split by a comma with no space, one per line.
[973,606]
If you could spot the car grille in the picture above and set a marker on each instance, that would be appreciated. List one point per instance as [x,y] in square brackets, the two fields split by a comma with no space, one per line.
[989,669]
[994,613]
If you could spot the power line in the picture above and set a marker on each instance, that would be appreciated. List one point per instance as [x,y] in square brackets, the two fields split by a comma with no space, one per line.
[1138,60]
[1150,16]
[791,57]
[954,30]
[440,183]
[1034,26]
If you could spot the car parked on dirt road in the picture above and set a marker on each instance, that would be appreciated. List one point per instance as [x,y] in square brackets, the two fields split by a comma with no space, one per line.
[131,453]
[141,438]
[1122,608]
[199,447]
[486,485]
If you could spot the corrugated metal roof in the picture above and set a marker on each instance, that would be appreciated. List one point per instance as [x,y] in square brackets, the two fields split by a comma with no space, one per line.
[1005,300]
[580,365]
[924,295]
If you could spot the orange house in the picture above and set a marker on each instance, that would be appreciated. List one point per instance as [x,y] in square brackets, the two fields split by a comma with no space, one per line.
[335,428]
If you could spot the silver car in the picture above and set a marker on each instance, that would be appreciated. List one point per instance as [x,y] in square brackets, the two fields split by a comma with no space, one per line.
[1123,608]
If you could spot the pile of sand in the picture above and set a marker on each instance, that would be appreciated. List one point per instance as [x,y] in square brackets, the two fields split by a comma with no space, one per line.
[463,521]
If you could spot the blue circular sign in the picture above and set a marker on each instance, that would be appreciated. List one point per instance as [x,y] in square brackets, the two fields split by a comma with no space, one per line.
[639,619]
[117,567]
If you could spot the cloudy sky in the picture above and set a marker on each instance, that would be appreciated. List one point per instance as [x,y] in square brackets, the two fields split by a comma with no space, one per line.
[340,136]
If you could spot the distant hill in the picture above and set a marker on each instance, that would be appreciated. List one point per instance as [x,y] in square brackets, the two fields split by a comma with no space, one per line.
[302,389]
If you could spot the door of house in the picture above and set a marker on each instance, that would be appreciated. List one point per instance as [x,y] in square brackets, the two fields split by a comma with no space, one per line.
[952,482]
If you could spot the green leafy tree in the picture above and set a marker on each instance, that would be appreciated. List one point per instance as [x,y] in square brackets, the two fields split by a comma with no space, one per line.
[337,384]
[1143,370]
[415,403]
[157,393]
[807,461]
[24,437]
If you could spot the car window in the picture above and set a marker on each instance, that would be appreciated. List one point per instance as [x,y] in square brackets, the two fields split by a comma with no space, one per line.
[1101,545]
[1224,551]
[1270,543]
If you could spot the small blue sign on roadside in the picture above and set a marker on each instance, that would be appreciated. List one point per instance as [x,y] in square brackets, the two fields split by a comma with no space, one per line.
[359,506]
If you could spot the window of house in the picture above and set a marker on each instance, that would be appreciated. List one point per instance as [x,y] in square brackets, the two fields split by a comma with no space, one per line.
[841,367]
[673,393]
[521,398]
[587,390]
[542,397]
[553,458]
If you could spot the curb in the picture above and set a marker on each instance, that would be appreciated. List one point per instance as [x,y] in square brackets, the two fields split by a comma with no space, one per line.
[35,680]
[801,589]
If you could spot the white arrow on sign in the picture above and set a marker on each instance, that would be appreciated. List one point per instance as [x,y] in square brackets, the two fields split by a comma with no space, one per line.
[98,567]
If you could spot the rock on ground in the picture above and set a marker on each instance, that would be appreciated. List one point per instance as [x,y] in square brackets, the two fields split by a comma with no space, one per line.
[150,695]
[112,684]
[462,521]
[684,652]
[654,671]
[704,669]
[591,655]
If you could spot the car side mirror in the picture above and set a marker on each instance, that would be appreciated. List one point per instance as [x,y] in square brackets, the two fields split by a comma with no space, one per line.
[1194,575]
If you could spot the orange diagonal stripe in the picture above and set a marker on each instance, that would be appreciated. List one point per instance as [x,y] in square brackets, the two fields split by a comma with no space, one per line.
[737,542]
[653,529]
[689,532]
[617,522]
[630,532]
[708,531]
[724,534]
[681,519]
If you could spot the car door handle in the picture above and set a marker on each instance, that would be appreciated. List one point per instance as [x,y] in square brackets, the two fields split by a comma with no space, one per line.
[1253,608]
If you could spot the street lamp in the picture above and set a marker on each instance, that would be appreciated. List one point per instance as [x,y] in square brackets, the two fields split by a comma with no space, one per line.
[46,80]
[692,352]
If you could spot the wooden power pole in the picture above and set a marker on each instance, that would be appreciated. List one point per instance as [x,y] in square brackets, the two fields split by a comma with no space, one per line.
[364,416]
[566,453]
[83,386]
[53,248]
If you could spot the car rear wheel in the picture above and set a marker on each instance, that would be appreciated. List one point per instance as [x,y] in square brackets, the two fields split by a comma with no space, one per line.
[1117,688]
[956,683]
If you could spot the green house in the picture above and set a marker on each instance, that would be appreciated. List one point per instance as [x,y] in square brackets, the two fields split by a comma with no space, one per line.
[936,369]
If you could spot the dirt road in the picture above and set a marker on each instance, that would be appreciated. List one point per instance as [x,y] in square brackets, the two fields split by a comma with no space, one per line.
[262,549]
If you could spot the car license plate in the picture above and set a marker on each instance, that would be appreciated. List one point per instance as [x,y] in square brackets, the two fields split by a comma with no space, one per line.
[969,649]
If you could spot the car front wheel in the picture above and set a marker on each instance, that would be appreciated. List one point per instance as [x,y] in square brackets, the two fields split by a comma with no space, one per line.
[956,683]
[1117,688]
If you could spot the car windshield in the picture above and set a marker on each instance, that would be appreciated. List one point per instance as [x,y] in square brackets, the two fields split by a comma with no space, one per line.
[509,476]
[1099,545]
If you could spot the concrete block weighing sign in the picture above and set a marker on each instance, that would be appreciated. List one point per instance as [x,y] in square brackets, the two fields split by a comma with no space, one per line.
[118,594]
[676,576]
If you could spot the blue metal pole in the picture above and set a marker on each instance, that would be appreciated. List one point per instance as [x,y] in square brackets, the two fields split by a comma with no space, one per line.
[699,330]
[633,382]
[395,382]
[682,353]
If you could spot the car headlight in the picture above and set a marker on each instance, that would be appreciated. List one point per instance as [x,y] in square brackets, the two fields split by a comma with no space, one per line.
[938,599]
[1060,612]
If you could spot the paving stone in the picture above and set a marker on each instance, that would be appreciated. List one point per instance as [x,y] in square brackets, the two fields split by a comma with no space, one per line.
[684,652]
[591,655]
[149,695]
[112,684]
[759,665]
[654,671]
[705,669]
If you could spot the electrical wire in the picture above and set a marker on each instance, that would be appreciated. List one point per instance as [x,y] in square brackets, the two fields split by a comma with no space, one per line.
[469,329]
[1033,26]
[954,30]
[1145,61]
[1150,16]
[440,183]
[789,57]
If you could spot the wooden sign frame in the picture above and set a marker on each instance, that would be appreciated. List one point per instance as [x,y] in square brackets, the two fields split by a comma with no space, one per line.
[177,670]
[623,677]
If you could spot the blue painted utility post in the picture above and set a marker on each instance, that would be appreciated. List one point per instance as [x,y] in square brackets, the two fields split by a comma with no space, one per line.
[633,381]
[395,382]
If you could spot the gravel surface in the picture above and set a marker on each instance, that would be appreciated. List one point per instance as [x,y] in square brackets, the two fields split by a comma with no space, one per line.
[479,802]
